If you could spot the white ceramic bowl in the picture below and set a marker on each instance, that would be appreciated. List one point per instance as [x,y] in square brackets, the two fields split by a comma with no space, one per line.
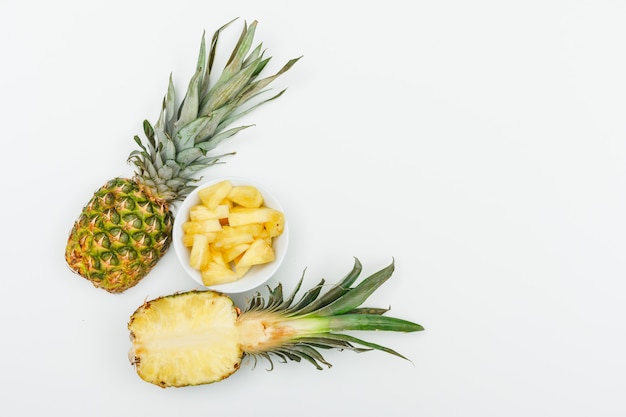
[258,274]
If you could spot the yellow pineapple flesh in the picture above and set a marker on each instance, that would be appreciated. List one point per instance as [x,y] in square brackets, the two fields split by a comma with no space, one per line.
[186,340]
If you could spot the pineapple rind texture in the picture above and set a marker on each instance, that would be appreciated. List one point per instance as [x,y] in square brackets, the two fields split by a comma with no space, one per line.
[185,339]
[116,254]
[119,236]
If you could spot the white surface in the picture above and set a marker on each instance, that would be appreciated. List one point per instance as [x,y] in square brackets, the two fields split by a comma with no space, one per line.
[257,276]
[480,144]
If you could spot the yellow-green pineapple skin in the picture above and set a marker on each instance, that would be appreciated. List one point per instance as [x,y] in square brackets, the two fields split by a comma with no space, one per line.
[126,227]
[119,236]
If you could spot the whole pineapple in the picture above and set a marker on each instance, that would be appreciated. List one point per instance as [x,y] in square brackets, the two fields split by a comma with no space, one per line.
[200,337]
[126,227]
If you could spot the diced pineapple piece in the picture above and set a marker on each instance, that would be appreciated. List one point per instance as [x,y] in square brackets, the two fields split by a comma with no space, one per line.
[201,212]
[230,236]
[226,202]
[202,227]
[276,223]
[246,196]
[213,195]
[231,253]
[217,256]
[254,229]
[200,253]
[239,216]
[216,273]
[188,238]
[259,252]
[242,270]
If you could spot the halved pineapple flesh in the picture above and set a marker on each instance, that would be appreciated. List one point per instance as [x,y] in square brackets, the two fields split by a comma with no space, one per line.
[185,339]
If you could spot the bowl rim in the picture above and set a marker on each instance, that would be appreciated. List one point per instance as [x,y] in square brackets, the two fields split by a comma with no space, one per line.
[259,274]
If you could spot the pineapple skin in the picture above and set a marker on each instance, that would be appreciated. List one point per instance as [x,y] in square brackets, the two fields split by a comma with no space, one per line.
[126,227]
[119,236]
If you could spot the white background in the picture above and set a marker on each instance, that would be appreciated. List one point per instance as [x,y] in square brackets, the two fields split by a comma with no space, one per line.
[482,145]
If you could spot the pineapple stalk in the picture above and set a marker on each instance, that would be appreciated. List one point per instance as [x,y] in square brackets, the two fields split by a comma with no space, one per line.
[126,226]
[201,337]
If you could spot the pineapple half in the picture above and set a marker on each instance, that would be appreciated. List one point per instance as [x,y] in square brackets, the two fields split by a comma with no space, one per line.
[201,337]
[126,227]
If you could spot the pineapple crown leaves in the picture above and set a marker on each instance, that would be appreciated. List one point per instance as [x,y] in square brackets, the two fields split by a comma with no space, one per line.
[339,308]
[178,144]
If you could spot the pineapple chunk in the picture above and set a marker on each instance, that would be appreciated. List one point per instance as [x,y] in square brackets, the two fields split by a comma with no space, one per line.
[242,270]
[239,216]
[202,227]
[230,236]
[188,240]
[200,253]
[217,256]
[276,223]
[246,196]
[259,252]
[201,212]
[255,229]
[213,195]
[216,273]
[233,252]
